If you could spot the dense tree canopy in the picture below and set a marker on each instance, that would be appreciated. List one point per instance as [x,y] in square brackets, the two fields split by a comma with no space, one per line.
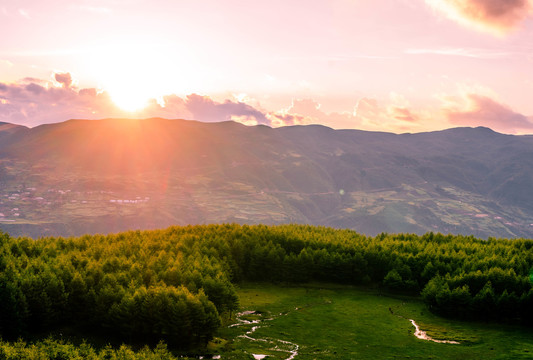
[175,284]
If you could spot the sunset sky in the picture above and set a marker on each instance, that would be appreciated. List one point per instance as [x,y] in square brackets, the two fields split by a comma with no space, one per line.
[386,65]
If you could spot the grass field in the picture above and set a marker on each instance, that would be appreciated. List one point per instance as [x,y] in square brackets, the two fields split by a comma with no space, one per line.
[334,322]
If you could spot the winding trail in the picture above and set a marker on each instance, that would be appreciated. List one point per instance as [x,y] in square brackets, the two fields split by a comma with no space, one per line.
[424,336]
[291,348]
[288,347]
[420,334]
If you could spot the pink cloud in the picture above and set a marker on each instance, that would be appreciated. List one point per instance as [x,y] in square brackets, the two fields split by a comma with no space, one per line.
[480,110]
[496,16]
[33,101]
[37,102]
[396,115]
[307,111]
[367,108]
[306,107]
[205,109]
[169,106]
[300,112]
[65,79]
[403,114]
[284,119]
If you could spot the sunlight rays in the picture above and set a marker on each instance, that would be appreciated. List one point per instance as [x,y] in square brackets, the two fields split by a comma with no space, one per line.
[133,72]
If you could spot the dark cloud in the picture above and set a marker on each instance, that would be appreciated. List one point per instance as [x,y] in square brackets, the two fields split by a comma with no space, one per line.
[29,80]
[205,109]
[499,15]
[34,88]
[65,79]
[484,111]
[498,12]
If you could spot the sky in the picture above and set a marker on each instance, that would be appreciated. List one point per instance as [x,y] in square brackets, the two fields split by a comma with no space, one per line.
[380,65]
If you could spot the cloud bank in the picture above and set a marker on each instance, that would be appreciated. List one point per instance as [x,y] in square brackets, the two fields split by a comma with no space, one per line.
[205,109]
[494,16]
[33,102]
[480,110]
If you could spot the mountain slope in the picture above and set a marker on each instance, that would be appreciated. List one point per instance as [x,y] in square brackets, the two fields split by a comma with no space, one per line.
[113,174]
[8,130]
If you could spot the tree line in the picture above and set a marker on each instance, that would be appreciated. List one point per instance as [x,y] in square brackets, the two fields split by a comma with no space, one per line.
[178,283]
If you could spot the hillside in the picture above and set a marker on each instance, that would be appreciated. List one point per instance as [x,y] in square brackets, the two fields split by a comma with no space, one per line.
[186,285]
[100,176]
[8,130]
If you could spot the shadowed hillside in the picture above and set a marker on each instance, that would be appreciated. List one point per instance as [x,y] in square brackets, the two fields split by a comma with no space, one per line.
[115,174]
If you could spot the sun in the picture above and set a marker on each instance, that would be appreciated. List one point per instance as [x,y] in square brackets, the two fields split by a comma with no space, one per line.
[134,73]
[128,98]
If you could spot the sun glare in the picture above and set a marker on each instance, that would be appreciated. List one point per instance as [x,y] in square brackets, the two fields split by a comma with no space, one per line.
[127,98]
[134,73]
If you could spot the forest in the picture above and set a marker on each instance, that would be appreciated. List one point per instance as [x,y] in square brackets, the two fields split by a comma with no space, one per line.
[179,284]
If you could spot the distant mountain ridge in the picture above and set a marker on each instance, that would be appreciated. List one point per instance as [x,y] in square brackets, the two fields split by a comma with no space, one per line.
[113,174]
[7,129]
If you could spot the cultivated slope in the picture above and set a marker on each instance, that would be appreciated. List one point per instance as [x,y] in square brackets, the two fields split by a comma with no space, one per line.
[110,175]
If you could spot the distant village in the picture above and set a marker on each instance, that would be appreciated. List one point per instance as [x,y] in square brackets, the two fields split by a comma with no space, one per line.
[15,204]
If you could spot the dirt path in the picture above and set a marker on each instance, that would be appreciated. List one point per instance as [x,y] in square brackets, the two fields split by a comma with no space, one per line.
[278,344]
[423,336]
[420,334]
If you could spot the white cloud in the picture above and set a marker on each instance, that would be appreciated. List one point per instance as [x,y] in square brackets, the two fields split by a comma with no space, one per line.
[462,52]
[6,63]
[24,13]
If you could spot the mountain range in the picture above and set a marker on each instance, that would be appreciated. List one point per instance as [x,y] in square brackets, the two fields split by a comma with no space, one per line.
[101,176]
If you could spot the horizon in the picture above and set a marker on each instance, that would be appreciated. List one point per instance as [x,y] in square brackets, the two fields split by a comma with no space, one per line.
[267,125]
[391,66]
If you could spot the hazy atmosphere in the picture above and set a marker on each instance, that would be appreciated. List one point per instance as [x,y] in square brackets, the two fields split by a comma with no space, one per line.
[386,65]
[251,180]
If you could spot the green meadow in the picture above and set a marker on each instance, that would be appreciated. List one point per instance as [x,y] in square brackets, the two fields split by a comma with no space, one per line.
[344,322]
